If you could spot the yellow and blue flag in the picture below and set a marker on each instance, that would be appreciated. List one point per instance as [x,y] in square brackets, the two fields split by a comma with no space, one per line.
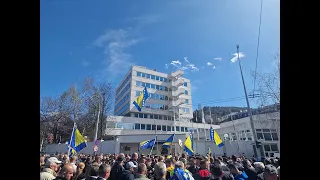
[77,142]
[139,103]
[188,146]
[168,142]
[147,144]
[214,136]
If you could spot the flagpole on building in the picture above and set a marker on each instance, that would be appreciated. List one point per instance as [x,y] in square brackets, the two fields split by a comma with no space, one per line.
[74,125]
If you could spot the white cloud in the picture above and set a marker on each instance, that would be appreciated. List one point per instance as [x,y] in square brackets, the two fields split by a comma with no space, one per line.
[114,43]
[186,65]
[213,67]
[235,56]
[209,64]
[217,58]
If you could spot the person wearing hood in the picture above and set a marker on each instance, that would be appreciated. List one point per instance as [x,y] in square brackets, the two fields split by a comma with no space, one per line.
[238,175]
[203,173]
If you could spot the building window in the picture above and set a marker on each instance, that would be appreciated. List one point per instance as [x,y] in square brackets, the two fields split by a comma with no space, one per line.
[177,128]
[143,75]
[187,101]
[140,115]
[164,128]
[138,74]
[168,128]
[138,93]
[153,77]
[153,127]
[185,92]
[157,78]
[156,116]
[182,129]
[148,76]
[138,83]
[158,127]
[165,117]
[136,126]
[136,115]
[274,147]
[145,115]
[186,110]
[165,79]
[161,78]
[185,84]
[143,127]
[148,126]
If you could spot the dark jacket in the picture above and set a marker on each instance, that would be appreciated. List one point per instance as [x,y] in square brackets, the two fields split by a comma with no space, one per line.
[116,171]
[193,169]
[126,175]
[251,173]
[203,174]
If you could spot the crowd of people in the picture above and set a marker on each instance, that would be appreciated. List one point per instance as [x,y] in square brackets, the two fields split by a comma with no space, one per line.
[145,167]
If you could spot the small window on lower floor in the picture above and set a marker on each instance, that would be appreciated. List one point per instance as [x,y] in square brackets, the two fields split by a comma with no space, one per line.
[148,126]
[164,128]
[143,126]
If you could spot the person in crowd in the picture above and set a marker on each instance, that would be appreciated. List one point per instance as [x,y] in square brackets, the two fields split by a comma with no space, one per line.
[42,163]
[50,169]
[179,172]
[217,173]
[117,169]
[104,172]
[259,167]
[193,168]
[238,175]
[128,173]
[203,173]
[73,162]
[80,175]
[142,172]
[270,172]
[170,168]
[160,171]
[66,173]
[249,170]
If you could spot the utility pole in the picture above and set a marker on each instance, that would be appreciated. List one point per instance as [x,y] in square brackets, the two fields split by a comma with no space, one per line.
[255,139]
[102,114]
[97,124]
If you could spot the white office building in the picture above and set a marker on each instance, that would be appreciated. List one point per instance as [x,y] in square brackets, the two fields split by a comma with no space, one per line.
[168,109]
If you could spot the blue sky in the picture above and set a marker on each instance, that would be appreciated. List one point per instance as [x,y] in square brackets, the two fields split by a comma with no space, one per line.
[101,39]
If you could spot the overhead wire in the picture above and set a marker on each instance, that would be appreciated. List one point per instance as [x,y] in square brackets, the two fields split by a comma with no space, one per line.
[257,51]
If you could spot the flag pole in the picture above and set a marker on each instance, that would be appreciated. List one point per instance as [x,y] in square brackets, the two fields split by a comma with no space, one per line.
[153,146]
[74,125]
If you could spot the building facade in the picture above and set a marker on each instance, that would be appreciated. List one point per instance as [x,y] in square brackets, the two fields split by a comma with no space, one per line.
[169,94]
[267,126]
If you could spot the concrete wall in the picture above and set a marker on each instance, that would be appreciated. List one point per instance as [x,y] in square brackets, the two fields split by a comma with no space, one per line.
[105,147]
[201,147]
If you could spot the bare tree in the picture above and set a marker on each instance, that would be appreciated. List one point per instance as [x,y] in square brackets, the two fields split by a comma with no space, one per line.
[267,85]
